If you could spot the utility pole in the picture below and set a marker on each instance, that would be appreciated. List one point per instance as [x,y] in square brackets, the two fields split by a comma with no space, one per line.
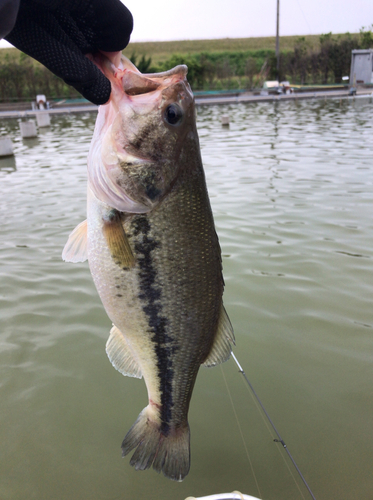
[278,41]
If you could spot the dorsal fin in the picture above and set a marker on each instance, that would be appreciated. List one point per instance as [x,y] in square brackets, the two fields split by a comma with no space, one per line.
[222,347]
[75,249]
[120,355]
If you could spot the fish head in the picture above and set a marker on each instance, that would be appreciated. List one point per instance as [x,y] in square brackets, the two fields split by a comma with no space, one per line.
[139,136]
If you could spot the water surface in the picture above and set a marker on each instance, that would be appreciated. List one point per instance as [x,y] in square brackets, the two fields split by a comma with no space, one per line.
[291,190]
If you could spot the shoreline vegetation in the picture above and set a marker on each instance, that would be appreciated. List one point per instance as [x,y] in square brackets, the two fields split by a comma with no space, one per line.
[221,64]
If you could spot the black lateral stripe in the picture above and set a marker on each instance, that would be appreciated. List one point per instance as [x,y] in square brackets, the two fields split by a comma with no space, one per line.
[151,295]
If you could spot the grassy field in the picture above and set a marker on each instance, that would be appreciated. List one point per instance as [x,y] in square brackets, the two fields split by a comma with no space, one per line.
[161,51]
[218,64]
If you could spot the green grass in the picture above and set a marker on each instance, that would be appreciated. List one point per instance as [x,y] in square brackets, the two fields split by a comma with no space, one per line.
[12,54]
[213,64]
[15,55]
[161,51]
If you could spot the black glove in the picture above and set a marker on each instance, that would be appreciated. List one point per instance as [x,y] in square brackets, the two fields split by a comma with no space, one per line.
[58,33]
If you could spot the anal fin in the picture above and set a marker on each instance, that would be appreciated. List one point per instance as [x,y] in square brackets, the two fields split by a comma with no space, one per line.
[222,346]
[117,240]
[120,355]
[75,249]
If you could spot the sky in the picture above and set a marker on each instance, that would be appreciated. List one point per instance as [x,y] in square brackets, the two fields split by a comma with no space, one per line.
[202,19]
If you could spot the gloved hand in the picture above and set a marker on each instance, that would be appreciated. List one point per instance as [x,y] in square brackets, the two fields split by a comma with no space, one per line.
[58,33]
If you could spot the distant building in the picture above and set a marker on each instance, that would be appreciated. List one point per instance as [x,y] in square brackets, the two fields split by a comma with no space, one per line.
[361,66]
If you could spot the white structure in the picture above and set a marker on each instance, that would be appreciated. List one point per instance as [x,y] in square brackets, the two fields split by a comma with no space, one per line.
[235,495]
[224,120]
[361,66]
[28,129]
[41,101]
[6,146]
[271,84]
[43,119]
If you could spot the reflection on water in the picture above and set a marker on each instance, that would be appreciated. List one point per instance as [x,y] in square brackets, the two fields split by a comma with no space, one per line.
[291,190]
[7,164]
[31,142]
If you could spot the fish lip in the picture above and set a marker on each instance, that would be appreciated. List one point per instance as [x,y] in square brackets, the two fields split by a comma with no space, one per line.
[134,85]
[142,83]
[128,82]
[181,68]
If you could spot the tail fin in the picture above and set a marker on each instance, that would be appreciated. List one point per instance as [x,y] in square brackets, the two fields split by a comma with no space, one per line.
[169,453]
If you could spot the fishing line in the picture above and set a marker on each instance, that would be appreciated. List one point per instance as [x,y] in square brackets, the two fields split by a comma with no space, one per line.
[270,433]
[240,429]
[265,421]
[279,440]
[309,27]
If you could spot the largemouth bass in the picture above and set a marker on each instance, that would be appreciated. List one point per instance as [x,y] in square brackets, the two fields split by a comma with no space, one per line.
[154,254]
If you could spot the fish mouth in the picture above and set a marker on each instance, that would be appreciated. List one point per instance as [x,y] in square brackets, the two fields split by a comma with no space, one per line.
[127,78]
[141,129]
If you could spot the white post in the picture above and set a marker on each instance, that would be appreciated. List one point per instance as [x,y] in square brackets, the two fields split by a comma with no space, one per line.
[43,119]
[6,146]
[225,120]
[28,129]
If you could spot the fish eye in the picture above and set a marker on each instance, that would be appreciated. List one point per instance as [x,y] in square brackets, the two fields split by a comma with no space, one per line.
[173,114]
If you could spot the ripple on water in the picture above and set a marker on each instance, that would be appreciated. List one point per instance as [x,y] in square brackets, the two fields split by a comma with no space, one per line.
[291,190]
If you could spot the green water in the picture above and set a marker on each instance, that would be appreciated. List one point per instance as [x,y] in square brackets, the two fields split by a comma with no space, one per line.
[291,188]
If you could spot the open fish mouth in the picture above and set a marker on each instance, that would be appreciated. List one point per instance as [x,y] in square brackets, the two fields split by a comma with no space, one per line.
[145,122]
[133,82]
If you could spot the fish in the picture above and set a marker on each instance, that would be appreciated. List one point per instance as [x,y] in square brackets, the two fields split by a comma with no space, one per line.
[154,254]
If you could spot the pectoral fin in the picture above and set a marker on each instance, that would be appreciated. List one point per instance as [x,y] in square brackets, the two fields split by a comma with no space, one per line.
[222,346]
[120,355]
[117,240]
[75,249]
